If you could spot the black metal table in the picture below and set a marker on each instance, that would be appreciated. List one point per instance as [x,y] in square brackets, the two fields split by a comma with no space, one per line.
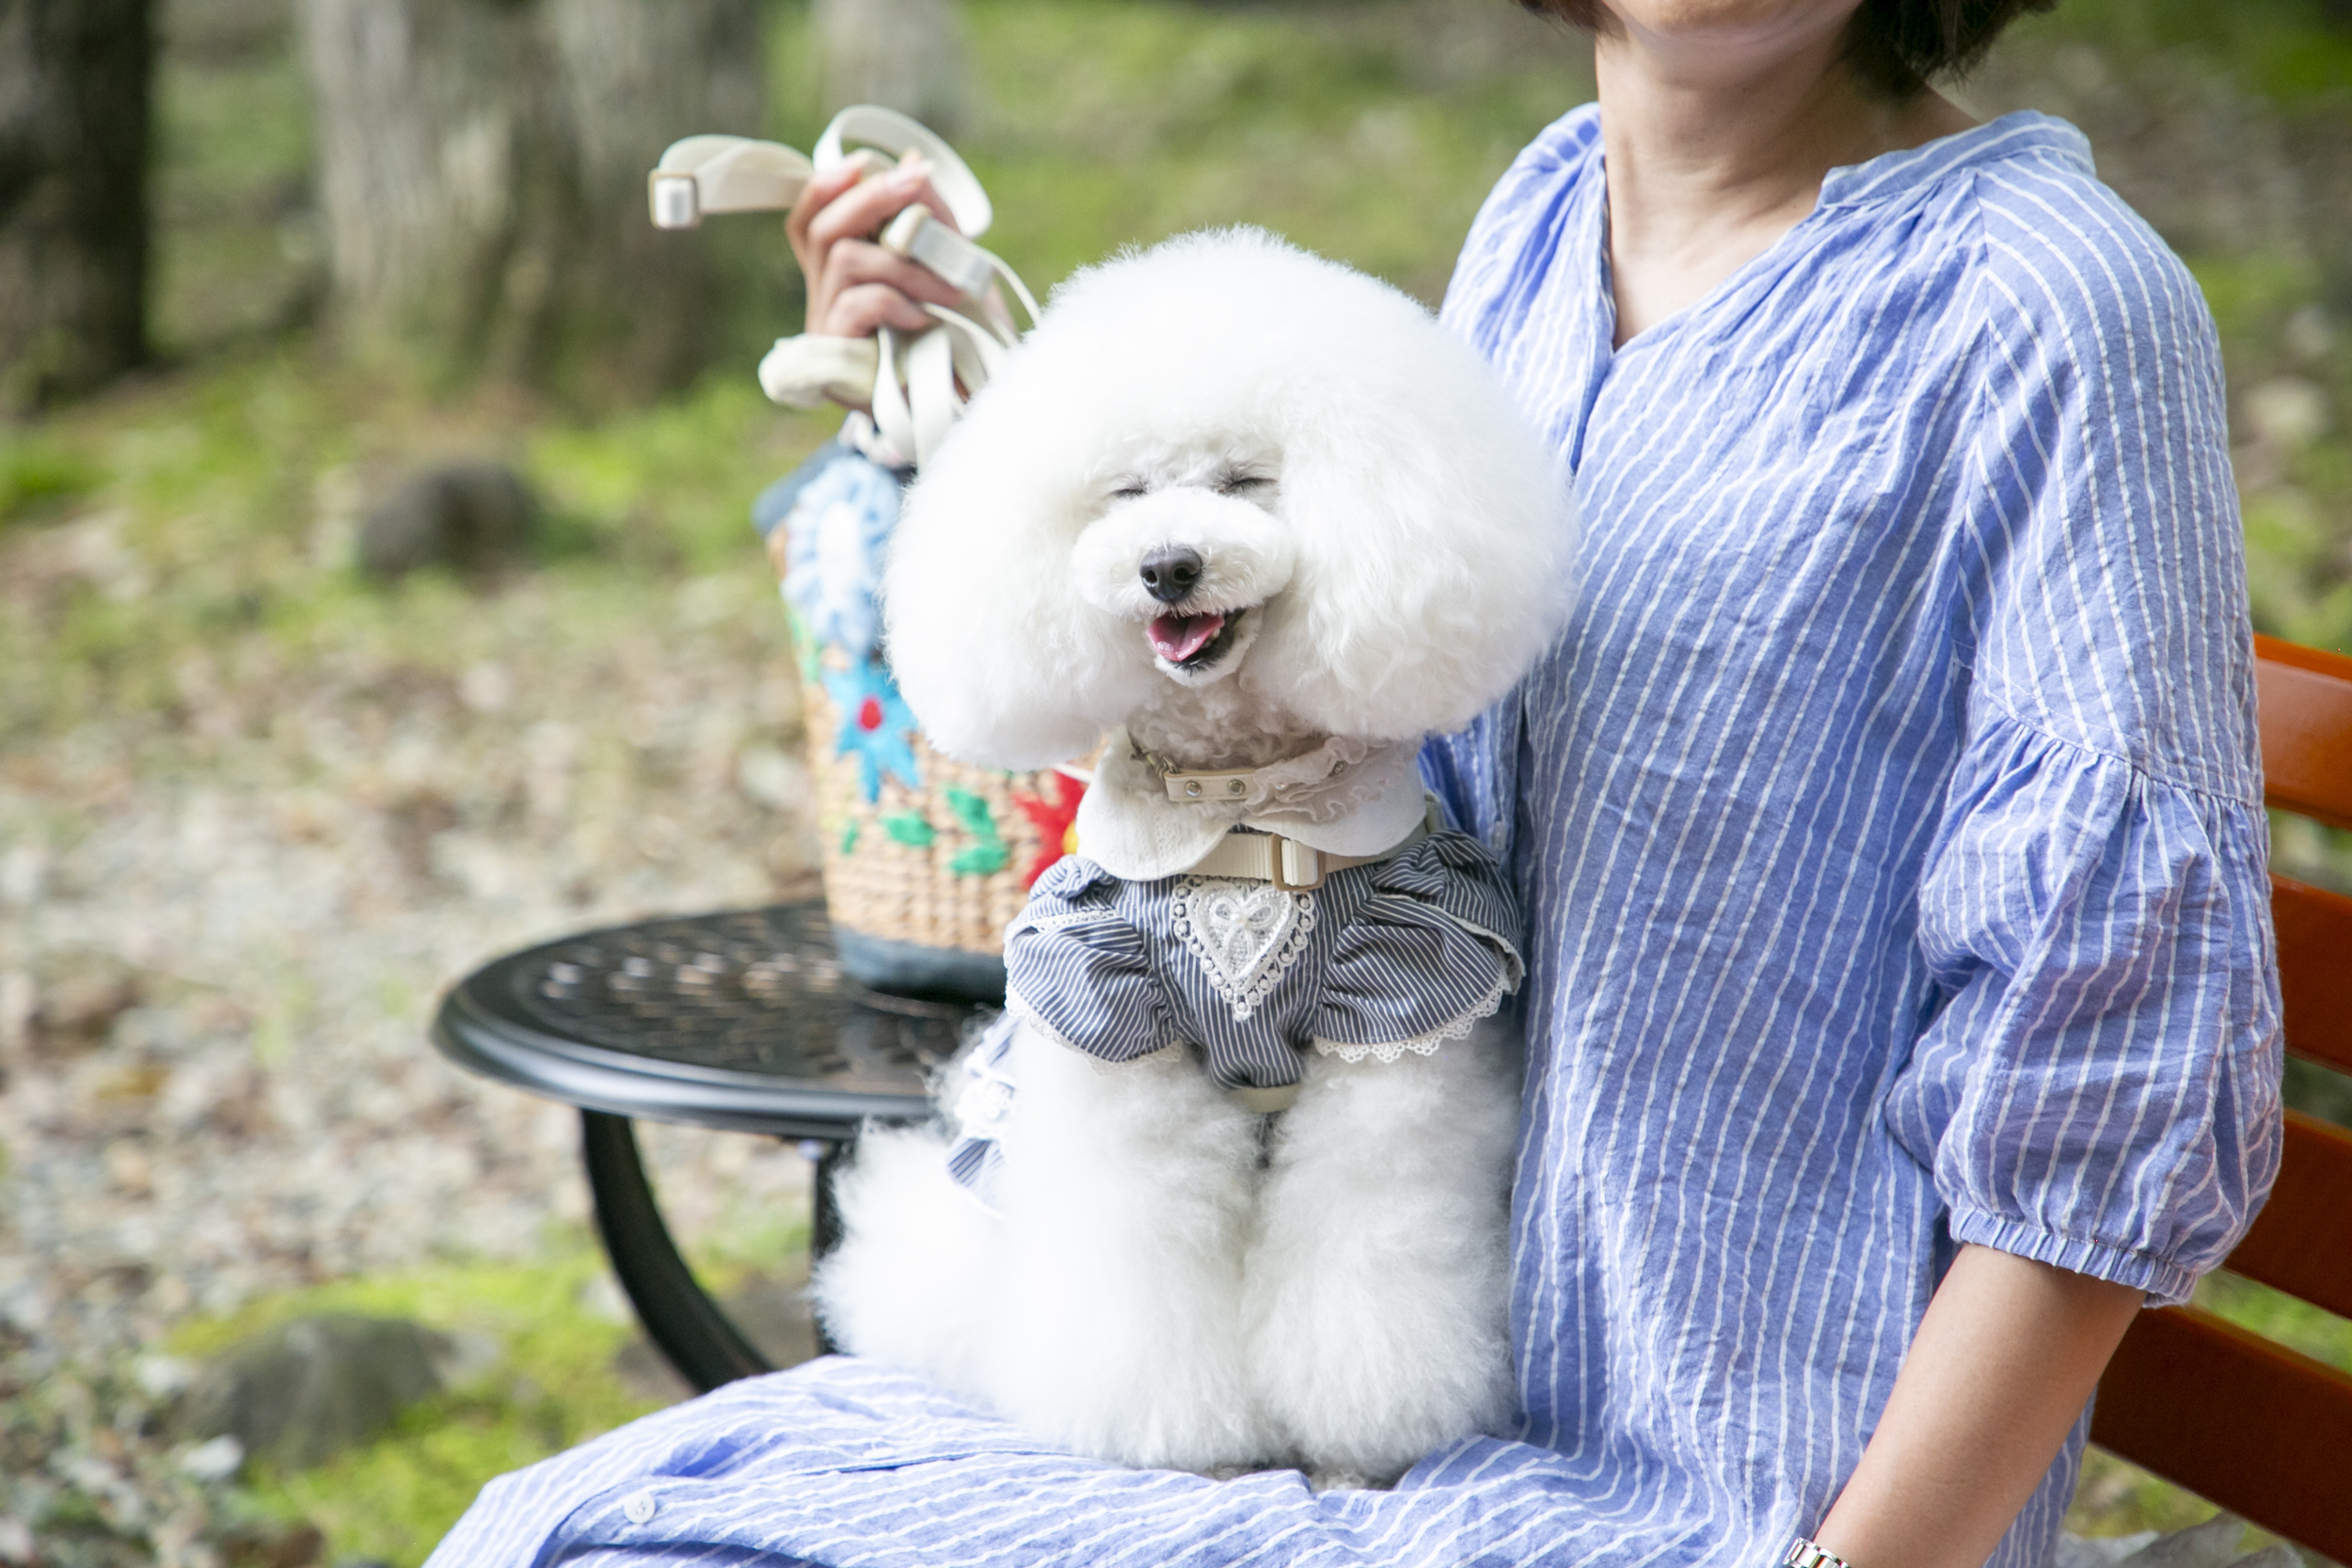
[741,1022]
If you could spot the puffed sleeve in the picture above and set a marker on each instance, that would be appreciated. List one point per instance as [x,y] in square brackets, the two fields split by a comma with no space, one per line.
[2098,1086]
[1079,970]
[1432,950]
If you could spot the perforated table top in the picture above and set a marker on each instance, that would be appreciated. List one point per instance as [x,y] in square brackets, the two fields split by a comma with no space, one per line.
[742,1020]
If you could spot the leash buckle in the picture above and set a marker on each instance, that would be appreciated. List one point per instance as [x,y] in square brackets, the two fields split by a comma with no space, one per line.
[1279,864]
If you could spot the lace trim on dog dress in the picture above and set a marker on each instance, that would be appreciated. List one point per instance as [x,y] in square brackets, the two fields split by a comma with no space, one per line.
[1246,934]
[1395,957]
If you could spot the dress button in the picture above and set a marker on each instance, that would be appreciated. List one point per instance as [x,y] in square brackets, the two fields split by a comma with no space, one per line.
[639,1508]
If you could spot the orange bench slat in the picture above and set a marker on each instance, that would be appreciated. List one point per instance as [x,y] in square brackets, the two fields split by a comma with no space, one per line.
[2243,1422]
[2304,699]
[2302,1243]
[2221,1410]
[2314,970]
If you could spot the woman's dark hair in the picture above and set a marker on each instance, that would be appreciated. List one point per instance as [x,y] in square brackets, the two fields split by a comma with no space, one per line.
[1897,46]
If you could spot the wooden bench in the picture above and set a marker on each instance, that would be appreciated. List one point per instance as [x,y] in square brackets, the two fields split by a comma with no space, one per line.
[2236,1419]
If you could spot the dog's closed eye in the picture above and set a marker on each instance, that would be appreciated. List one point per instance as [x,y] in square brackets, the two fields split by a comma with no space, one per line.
[1129,489]
[1241,484]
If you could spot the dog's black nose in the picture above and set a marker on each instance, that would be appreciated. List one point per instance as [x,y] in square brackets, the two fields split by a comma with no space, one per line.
[1169,573]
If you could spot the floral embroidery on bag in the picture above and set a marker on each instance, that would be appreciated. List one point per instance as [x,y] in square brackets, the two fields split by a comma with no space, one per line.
[1055,821]
[833,539]
[874,727]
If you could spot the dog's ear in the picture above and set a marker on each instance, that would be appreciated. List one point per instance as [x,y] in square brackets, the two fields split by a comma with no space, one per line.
[1002,662]
[1434,531]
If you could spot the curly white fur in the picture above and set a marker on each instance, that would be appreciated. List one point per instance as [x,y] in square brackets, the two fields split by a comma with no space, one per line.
[1167,1279]
[1424,527]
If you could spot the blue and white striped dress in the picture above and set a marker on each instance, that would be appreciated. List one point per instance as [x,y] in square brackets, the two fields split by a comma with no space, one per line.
[1887,825]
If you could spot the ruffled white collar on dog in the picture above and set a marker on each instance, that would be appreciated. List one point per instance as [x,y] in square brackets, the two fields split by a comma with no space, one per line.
[1347,797]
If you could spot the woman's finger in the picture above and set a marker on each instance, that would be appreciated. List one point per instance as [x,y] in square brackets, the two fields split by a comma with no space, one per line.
[862,212]
[815,197]
[862,310]
[855,261]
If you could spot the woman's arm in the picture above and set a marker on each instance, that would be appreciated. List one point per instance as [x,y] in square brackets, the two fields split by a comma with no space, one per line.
[2004,1359]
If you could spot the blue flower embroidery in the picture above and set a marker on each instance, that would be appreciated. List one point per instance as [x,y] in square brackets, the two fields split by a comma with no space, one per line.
[874,725]
[833,539]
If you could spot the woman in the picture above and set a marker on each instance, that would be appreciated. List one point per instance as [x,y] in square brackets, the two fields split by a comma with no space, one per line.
[1888,826]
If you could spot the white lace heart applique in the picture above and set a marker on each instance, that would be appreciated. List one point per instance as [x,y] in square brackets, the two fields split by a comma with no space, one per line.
[1246,934]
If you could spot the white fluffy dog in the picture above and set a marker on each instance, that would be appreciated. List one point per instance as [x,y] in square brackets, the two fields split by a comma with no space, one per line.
[1228,1185]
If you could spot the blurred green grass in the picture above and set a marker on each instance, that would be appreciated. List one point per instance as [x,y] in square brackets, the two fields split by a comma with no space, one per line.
[1370,131]
[2295,52]
[216,508]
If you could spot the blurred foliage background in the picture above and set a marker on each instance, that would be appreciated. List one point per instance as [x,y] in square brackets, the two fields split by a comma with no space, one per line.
[256,803]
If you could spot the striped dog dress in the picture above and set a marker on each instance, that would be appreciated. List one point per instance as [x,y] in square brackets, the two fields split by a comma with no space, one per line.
[1399,954]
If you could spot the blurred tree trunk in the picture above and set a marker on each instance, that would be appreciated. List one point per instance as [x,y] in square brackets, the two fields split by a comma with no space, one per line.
[905,54]
[482,175]
[73,113]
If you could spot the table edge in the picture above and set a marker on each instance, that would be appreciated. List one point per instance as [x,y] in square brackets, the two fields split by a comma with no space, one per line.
[499,1049]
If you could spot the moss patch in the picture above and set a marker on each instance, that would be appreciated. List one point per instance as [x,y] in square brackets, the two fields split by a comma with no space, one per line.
[554,1388]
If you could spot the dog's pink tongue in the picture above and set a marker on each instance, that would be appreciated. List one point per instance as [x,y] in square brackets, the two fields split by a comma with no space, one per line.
[1177,638]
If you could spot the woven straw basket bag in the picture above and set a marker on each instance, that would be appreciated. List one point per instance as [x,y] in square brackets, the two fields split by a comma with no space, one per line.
[926,858]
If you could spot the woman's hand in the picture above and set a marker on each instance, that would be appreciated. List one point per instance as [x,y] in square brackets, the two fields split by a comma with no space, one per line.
[854,285]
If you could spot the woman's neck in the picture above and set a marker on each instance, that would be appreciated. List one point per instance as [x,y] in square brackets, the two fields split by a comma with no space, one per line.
[1716,144]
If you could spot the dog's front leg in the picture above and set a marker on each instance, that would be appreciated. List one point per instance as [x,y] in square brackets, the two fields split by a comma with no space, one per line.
[1375,1296]
[1125,1193]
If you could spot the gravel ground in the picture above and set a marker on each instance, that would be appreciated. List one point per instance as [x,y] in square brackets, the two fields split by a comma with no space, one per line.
[223,925]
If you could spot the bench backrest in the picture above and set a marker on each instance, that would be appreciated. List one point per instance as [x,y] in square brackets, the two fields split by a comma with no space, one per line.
[2235,1418]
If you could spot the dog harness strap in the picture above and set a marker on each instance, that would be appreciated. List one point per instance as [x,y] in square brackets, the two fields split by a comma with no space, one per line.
[1290,865]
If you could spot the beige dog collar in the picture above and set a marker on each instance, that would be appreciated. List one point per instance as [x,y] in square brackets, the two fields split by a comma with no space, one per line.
[1290,865]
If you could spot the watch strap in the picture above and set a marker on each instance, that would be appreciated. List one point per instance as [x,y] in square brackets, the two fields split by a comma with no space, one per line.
[1803,1553]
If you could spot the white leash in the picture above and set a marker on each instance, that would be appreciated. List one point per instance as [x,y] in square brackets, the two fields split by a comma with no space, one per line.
[916,384]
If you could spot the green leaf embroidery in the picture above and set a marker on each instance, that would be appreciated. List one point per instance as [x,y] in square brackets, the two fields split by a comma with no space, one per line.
[811,656]
[907,827]
[848,836]
[989,855]
[981,860]
[974,814]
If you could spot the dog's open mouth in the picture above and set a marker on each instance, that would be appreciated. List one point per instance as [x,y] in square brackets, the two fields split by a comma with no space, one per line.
[1193,642]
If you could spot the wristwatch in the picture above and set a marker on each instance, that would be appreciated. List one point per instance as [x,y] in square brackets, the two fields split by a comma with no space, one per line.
[1806,1554]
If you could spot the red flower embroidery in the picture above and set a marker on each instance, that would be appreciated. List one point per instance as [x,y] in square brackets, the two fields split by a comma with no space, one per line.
[869,714]
[1054,820]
